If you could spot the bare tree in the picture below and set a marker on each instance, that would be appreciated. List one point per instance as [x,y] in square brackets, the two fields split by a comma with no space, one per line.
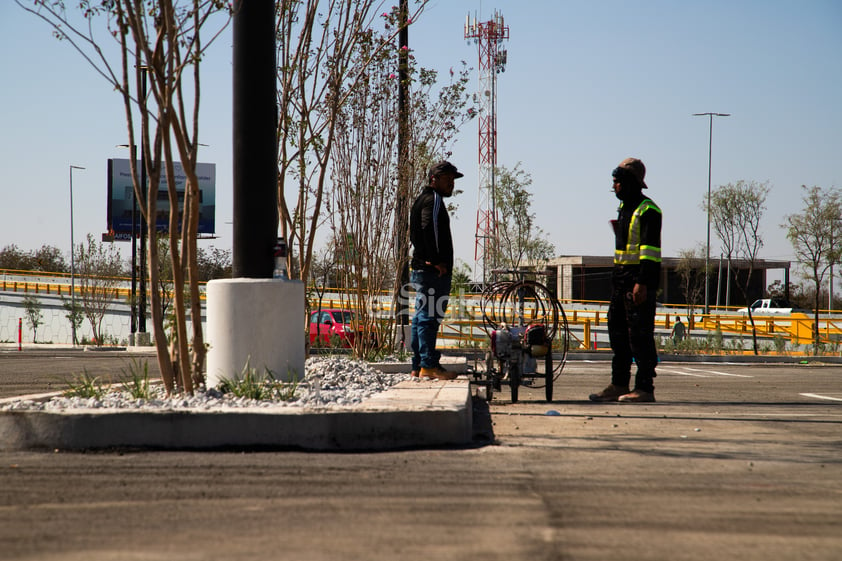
[365,170]
[214,263]
[34,317]
[814,237]
[98,267]
[159,41]
[691,272]
[164,286]
[736,210]
[518,239]
[320,60]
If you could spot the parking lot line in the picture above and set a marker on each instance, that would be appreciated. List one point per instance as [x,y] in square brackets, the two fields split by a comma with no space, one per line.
[818,396]
[687,371]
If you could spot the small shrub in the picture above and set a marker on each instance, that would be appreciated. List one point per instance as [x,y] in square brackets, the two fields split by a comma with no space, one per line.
[260,387]
[86,386]
[138,380]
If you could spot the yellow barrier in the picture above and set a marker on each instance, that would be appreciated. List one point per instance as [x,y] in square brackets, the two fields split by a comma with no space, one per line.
[467,327]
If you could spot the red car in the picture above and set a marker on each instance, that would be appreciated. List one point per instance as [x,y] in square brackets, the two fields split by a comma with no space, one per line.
[331,324]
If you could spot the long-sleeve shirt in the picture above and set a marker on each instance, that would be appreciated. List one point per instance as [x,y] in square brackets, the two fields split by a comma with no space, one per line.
[429,231]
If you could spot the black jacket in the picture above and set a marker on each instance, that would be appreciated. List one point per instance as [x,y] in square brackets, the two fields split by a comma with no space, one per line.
[429,231]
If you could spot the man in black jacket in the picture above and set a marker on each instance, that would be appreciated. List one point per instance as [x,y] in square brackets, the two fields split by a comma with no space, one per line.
[635,279]
[432,268]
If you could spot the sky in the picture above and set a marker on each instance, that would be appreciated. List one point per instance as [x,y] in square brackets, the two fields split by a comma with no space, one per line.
[587,84]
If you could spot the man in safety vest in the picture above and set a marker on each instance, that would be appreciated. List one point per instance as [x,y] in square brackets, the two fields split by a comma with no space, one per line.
[637,267]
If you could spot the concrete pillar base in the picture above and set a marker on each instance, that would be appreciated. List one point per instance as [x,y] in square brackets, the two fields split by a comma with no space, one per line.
[142,339]
[259,322]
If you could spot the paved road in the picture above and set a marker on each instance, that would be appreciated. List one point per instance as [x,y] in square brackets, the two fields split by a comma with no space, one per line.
[50,370]
[733,462]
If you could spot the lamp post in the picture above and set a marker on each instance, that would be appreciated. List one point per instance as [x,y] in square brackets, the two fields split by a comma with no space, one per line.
[133,315]
[141,309]
[72,263]
[707,245]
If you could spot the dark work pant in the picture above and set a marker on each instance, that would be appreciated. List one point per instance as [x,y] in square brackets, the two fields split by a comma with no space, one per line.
[631,331]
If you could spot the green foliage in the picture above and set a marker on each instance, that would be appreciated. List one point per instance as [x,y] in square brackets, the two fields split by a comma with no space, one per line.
[715,339]
[86,386]
[32,309]
[75,314]
[99,267]
[736,344]
[519,240]
[815,238]
[138,380]
[214,263]
[251,384]
[47,258]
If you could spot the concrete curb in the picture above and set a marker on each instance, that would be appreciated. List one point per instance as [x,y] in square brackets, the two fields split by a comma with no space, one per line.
[457,364]
[409,415]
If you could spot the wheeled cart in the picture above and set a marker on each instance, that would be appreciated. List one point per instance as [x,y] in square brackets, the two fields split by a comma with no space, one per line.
[526,326]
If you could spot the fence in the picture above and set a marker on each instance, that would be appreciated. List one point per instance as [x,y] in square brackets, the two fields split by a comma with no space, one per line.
[463,326]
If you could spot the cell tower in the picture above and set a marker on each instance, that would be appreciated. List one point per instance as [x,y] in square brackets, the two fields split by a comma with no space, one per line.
[489,37]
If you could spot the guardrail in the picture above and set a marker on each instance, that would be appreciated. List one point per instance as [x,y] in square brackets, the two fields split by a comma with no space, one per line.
[59,284]
[463,326]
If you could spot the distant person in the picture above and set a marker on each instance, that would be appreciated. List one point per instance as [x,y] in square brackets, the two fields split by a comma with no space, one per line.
[432,268]
[635,278]
[679,330]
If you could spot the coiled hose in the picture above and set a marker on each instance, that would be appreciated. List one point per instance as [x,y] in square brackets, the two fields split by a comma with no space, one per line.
[526,302]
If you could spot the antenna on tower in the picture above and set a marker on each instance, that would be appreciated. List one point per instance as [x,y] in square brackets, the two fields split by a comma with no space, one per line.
[489,37]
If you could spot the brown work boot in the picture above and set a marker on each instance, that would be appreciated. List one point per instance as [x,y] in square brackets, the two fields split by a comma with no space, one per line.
[414,373]
[437,373]
[638,396]
[611,393]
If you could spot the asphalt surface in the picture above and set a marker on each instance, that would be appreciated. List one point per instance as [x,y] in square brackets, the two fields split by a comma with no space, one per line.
[734,462]
[53,370]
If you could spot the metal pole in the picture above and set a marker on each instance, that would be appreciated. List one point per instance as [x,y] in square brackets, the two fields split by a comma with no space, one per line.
[255,142]
[142,306]
[402,202]
[72,263]
[707,244]
[134,254]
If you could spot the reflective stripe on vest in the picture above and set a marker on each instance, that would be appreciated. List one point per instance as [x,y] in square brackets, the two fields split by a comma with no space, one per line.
[635,252]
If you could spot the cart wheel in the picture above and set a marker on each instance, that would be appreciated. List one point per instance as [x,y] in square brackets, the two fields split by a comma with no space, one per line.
[548,375]
[514,381]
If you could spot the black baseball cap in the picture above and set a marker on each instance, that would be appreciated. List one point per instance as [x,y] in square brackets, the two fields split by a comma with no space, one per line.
[444,167]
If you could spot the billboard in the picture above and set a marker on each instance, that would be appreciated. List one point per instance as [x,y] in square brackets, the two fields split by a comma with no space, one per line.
[121,193]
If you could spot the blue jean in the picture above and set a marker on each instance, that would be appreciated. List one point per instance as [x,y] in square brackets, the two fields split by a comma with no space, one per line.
[431,298]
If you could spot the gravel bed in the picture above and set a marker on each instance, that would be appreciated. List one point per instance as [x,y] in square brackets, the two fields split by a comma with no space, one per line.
[328,382]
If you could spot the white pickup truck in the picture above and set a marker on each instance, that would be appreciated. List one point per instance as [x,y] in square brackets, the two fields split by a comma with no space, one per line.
[768,307]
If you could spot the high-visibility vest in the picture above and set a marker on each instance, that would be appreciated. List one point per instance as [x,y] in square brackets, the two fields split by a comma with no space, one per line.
[634,251]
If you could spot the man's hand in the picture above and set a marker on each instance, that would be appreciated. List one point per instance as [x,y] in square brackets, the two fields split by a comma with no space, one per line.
[639,294]
[442,269]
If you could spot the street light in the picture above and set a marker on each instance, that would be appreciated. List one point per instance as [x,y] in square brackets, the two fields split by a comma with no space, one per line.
[707,246]
[72,262]
[133,315]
